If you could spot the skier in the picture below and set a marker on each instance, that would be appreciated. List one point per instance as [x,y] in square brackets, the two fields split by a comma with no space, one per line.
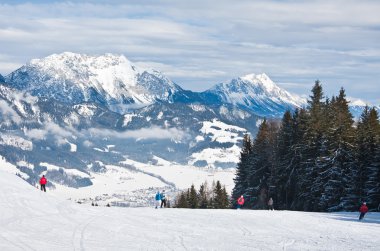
[270,204]
[158,199]
[240,202]
[363,210]
[43,182]
[163,199]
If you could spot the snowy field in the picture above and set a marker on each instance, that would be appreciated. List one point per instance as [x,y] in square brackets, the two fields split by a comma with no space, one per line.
[33,220]
[131,182]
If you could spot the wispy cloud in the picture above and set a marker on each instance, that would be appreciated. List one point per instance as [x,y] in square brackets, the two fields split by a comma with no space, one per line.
[9,113]
[60,134]
[143,133]
[51,129]
[200,43]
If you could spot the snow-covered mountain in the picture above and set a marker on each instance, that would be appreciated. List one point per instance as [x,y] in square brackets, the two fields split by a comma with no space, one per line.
[357,107]
[259,94]
[115,82]
[81,119]
[111,80]
[85,145]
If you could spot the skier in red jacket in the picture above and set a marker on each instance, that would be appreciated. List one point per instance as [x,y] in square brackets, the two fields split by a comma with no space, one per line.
[240,202]
[43,182]
[363,210]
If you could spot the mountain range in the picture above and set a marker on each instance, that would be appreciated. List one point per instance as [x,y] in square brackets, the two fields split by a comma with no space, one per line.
[72,115]
[115,82]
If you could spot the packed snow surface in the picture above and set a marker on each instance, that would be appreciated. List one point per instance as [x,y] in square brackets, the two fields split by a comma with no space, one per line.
[31,219]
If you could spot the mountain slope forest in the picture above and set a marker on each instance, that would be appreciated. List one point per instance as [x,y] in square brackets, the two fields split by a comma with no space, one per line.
[315,159]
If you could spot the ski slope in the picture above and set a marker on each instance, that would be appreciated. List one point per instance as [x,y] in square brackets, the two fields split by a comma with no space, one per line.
[33,220]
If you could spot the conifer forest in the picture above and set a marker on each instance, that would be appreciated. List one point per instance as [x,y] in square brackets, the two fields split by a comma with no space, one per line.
[316,158]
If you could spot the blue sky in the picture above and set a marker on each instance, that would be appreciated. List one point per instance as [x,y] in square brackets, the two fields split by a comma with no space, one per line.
[201,43]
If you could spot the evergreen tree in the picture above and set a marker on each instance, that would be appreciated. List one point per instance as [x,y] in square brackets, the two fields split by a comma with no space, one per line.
[216,198]
[203,198]
[299,181]
[314,157]
[193,198]
[370,168]
[272,149]
[316,107]
[316,161]
[284,161]
[261,166]
[225,201]
[342,157]
[372,186]
[182,201]
[220,201]
[365,147]
[241,178]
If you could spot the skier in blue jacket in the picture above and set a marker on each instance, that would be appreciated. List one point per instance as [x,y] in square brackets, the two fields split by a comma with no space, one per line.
[158,199]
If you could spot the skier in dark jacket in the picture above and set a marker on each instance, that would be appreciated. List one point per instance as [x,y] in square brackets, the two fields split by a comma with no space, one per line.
[363,210]
[163,199]
[43,182]
[270,204]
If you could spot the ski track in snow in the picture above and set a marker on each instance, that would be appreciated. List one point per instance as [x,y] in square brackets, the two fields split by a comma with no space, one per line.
[31,219]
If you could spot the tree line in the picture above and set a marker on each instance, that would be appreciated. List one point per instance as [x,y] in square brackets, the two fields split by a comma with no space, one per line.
[315,159]
[215,197]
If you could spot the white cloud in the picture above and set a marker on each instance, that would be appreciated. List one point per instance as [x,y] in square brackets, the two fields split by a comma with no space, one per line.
[200,43]
[8,112]
[53,129]
[87,143]
[143,133]
[37,134]
[59,141]
[61,134]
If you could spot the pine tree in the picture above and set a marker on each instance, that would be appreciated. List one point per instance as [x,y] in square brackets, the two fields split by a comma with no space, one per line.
[365,146]
[370,168]
[312,158]
[372,186]
[299,180]
[260,166]
[182,201]
[203,198]
[342,156]
[193,198]
[316,161]
[220,201]
[284,160]
[241,178]
[272,149]
[225,201]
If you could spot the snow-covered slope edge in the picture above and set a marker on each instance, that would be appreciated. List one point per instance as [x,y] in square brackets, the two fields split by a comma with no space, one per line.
[31,219]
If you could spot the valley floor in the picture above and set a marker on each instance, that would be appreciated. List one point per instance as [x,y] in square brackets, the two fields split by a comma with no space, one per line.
[33,220]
